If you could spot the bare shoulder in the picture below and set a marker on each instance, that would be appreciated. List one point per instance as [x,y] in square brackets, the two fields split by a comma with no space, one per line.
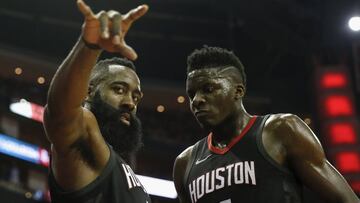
[184,156]
[180,165]
[84,152]
[294,132]
[282,120]
[276,135]
[287,126]
[65,132]
[84,142]
[306,157]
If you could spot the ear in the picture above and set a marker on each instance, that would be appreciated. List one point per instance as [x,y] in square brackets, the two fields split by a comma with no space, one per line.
[239,91]
[91,93]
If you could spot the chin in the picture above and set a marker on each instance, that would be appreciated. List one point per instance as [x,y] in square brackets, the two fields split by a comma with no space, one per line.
[207,125]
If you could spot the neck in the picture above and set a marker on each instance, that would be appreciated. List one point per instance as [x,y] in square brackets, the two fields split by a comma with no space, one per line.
[230,128]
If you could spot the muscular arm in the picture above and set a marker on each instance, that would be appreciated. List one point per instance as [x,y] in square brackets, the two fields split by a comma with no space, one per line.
[306,158]
[64,120]
[71,128]
[179,170]
[79,152]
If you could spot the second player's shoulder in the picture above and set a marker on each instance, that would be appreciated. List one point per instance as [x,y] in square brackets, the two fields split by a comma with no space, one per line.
[283,122]
[179,170]
[280,119]
[285,128]
[182,161]
[185,155]
[290,130]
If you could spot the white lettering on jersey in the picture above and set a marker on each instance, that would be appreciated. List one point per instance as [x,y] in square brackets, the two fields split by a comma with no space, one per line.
[250,171]
[220,178]
[192,192]
[229,167]
[131,178]
[237,173]
[209,187]
[200,186]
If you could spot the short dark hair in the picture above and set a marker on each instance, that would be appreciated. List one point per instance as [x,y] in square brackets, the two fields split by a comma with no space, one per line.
[214,57]
[101,70]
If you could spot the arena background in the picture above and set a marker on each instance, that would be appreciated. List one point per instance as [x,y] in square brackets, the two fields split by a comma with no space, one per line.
[300,57]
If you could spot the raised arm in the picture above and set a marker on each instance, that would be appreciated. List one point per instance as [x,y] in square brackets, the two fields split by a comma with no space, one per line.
[79,152]
[64,115]
[307,159]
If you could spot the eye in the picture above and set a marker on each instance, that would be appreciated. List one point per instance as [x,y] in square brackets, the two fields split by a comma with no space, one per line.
[119,89]
[137,96]
[136,99]
[208,88]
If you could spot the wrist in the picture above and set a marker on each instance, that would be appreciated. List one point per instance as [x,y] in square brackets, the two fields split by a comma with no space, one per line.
[90,45]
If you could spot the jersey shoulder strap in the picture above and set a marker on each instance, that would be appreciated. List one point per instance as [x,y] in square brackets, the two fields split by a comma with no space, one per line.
[191,160]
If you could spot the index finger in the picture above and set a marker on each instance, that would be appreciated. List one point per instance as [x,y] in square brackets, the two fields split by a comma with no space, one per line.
[135,14]
[85,9]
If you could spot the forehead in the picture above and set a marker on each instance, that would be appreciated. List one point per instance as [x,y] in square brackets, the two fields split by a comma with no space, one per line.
[122,74]
[208,75]
[217,72]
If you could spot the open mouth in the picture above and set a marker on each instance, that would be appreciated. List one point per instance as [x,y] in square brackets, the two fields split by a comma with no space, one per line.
[125,118]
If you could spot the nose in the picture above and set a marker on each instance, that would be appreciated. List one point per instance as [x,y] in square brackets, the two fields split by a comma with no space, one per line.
[198,100]
[128,103]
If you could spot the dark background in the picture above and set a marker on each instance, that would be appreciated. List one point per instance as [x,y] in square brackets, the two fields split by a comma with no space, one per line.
[280,42]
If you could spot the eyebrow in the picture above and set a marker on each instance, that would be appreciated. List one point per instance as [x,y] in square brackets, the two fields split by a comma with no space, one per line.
[119,83]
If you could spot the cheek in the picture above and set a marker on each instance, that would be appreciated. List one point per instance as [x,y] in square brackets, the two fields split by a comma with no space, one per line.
[112,99]
[224,105]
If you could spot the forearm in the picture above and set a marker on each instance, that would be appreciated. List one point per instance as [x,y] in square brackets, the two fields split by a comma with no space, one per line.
[69,85]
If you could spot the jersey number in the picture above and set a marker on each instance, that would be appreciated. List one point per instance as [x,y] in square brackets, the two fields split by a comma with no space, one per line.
[226,201]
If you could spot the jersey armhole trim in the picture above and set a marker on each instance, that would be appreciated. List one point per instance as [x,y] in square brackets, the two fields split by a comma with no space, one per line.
[190,163]
[263,152]
[92,185]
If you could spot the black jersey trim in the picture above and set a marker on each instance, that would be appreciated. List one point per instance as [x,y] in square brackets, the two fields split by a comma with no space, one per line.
[88,188]
[262,150]
[189,166]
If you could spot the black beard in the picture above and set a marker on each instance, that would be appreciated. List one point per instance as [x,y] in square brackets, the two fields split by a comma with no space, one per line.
[125,140]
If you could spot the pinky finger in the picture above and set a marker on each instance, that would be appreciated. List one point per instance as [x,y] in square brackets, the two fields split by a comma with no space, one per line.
[136,13]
